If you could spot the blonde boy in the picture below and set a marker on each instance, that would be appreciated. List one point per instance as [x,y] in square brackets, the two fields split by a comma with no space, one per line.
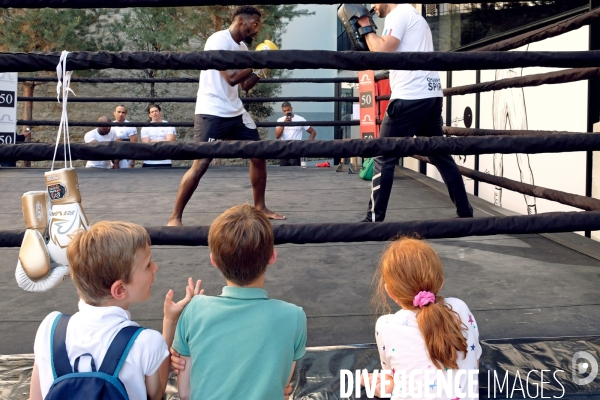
[241,344]
[112,268]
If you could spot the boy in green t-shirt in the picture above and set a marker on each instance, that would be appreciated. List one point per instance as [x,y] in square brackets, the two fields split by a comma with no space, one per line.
[240,344]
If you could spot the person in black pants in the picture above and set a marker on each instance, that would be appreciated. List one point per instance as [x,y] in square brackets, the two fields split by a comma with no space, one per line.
[415,105]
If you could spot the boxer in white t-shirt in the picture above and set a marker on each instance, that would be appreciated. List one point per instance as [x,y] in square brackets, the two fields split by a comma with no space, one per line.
[124,133]
[220,113]
[159,133]
[101,134]
[292,132]
[415,106]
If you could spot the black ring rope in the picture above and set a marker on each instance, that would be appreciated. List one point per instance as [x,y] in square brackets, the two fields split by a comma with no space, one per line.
[570,75]
[448,130]
[316,99]
[161,3]
[339,79]
[300,59]
[570,199]
[380,231]
[264,124]
[548,78]
[545,32]
[391,147]
[456,131]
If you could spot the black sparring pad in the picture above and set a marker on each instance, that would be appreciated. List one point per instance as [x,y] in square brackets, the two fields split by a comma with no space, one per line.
[349,14]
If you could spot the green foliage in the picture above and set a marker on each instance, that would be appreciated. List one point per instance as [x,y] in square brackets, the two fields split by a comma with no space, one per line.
[48,29]
[139,29]
[187,29]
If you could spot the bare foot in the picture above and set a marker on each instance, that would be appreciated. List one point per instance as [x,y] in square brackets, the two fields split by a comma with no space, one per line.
[271,214]
[174,222]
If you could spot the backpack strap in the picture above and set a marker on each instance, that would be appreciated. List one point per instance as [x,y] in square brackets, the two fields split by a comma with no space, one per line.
[119,349]
[58,347]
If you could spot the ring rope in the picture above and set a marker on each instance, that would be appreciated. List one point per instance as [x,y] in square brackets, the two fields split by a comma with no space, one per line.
[300,59]
[546,32]
[456,131]
[390,147]
[316,99]
[573,200]
[548,78]
[163,3]
[264,124]
[382,231]
[186,80]
[570,75]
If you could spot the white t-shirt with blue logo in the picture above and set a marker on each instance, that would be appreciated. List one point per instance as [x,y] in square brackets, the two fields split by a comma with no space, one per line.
[407,25]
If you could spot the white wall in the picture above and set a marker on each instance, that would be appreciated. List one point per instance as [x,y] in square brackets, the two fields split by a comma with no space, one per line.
[315,32]
[548,107]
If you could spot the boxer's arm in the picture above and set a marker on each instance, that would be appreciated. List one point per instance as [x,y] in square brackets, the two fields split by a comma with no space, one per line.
[386,43]
[313,133]
[236,76]
[250,82]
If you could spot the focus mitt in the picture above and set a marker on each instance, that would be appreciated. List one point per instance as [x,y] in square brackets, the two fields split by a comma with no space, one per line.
[349,14]
[266,45]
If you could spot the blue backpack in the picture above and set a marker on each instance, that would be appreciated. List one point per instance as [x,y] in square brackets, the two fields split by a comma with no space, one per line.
[69,383]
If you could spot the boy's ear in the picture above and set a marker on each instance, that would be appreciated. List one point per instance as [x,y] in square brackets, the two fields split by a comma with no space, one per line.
[273,257]
[212,260]
[118,290]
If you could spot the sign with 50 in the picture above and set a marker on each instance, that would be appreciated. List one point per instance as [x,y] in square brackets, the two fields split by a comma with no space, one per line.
[8,107]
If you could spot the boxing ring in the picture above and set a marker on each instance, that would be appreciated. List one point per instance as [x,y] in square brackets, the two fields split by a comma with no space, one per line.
[530,281]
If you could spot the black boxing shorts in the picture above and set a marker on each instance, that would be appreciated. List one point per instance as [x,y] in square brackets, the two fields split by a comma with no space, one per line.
[209,128]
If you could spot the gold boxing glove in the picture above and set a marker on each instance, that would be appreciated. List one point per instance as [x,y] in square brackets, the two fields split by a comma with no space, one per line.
[52,219]
[266,45]
[33,255]
[67,216]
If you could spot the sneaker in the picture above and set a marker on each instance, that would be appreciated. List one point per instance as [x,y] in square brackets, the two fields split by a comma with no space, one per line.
[324,164]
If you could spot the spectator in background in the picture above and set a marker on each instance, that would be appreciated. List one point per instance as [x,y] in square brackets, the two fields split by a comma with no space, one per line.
[124,133]
[292,132]
[160,133]
[18,139]
[102,134]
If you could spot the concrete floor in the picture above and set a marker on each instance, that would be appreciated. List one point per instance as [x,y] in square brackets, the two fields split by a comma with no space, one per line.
[517,286]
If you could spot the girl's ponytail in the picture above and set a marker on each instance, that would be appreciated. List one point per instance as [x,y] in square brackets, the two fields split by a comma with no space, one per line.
[441,329]
[412,274]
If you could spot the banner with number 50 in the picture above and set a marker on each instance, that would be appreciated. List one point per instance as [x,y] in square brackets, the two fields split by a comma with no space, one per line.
[8,107]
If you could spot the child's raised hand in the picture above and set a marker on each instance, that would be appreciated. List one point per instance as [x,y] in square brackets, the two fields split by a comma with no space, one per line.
[173,310]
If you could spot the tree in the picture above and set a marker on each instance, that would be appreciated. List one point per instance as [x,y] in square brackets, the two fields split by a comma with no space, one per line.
[152,29]
[188,28]
[29,30]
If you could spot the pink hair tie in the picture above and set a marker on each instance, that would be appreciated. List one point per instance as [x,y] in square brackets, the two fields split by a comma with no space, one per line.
[423,298]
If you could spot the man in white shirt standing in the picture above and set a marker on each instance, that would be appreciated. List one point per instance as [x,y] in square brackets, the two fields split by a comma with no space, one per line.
[101,134]
[292,132]
[220,113]
[124,133]
[415,106]
[160,133]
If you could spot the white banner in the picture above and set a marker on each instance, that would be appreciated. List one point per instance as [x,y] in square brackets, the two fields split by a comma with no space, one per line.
[8,107]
